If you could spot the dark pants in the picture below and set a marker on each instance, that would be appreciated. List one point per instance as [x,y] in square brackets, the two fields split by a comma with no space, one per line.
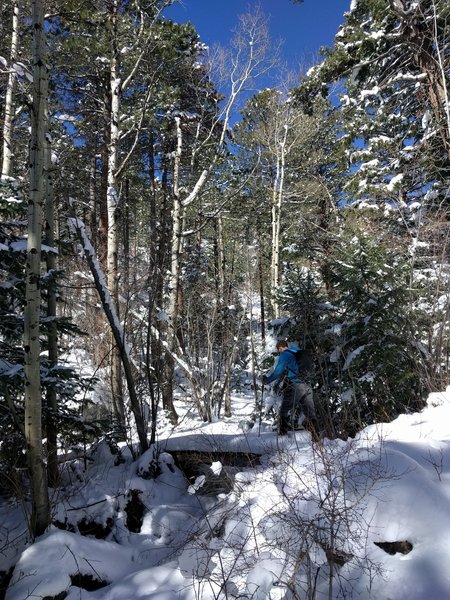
[297,398]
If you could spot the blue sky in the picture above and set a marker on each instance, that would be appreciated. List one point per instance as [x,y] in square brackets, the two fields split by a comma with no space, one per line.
[303,27]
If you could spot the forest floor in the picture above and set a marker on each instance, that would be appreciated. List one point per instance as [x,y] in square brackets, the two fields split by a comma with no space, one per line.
[221,510]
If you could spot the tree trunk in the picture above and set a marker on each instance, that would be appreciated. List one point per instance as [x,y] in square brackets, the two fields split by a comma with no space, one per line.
[437,93]
[220,261]
[116,329]
[126,238]
[277,200]
[156,248]
[275,245]
[52,336]
[9,97]
[92,211]
[174,280]
[40,516]
[262,306]
[102,226]
[112,200]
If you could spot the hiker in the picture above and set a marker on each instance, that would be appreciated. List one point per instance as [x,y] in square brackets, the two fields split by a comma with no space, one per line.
[297,394]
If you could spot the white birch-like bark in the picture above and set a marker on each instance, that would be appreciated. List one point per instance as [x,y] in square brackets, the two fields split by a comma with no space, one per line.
[177,220]
[9,96]
[248,61]
[33,399]
[112,191]
[277,201]
[112,202]
[220,263]
[174,276]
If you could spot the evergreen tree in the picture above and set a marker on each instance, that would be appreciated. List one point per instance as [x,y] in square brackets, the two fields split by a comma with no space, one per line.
[391,58]
[390,69]
[370,363]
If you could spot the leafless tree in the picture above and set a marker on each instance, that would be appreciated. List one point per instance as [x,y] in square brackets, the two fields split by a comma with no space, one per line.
[247,59]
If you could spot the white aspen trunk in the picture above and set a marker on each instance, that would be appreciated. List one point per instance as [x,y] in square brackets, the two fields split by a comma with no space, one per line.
[220,262]
[112,201]
[275,242]
[92,215]
[277,200]
[177,220]
[9,97]
[40,515]
[112,191]
[174,277]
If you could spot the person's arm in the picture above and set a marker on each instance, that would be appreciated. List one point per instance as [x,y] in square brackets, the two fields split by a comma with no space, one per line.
[279,369]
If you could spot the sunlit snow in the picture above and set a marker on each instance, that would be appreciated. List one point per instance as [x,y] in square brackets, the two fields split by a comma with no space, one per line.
[368,516]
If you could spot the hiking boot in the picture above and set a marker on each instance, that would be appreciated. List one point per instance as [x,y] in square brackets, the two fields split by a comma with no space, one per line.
[283,426]
[299,427]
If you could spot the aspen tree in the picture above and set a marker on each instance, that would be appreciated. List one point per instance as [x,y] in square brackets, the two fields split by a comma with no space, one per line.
[9,97]
[40,516]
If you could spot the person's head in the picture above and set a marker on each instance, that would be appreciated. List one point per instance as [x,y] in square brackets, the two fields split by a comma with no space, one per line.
[282,345]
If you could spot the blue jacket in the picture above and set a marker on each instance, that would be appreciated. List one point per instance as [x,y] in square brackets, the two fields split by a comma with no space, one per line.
[287,363]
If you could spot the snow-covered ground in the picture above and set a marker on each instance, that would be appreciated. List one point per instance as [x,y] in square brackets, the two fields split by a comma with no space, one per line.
[363,518]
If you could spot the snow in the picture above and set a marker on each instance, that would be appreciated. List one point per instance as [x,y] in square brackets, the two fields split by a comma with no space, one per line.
[373,92]
[19,246]
[352,355]
[9,370]
[279,522]
[370,164]
[394,181]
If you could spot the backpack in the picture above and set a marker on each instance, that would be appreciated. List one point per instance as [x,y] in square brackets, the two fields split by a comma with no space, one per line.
[305,364]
